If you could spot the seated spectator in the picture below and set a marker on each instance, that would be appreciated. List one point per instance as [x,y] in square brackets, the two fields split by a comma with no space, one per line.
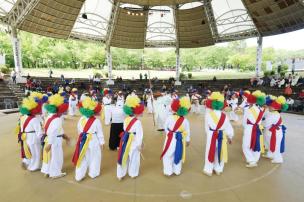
[301,95]
[281,83]
[295,80]
[273,82]
[1,76]
[214,78]
[288,90]
[300,81]
[290,103]
[260,81]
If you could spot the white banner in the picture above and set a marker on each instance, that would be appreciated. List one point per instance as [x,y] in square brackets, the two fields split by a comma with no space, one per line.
[17,55]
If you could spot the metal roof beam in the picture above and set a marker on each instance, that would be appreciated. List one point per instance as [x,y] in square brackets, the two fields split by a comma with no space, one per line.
[175,8]
[112,22]
[210,17]
[19,11]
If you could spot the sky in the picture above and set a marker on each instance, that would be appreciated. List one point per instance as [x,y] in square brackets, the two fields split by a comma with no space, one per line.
[289,41]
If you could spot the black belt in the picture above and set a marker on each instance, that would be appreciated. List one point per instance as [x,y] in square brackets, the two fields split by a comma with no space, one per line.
[59,135]
[29,132]
[106,104]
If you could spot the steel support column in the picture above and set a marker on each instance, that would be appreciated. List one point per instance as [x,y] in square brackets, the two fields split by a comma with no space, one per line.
[177,68]
[109,63]
[259,57]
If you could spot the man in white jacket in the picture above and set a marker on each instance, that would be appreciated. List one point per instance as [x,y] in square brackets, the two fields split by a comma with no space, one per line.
[73,101]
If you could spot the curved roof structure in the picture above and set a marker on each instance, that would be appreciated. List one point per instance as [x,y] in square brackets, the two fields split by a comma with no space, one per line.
[136,24]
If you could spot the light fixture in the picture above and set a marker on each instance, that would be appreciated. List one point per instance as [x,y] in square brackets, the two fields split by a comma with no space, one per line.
[129,12]
[141,14]
[84,16]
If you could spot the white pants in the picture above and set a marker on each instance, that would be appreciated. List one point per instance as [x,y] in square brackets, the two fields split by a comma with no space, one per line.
[251,156]
[276,156]
[267,135]
[216,165]
[91,161]
[233,116]
[72,110]
[33,163]
[170,167]
[107,114]
[132,166]
[54,166]
[150,107]
[195,108]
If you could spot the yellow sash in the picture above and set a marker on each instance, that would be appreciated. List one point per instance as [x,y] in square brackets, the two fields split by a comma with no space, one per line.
[86,144]
[255,115]
[26,148]
[46,156]
[130,140]
[224,150]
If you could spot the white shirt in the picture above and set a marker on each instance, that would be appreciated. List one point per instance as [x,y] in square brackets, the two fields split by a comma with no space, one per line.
[117,114]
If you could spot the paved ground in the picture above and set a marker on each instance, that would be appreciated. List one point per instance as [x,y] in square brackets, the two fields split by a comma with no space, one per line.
[266,183]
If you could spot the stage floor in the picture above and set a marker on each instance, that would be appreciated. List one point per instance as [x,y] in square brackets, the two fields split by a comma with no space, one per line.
[265,183]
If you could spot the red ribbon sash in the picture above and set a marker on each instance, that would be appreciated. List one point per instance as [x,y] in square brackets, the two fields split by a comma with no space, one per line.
[48,122]
[122,133]
[212,148]
[178,123]
[25,124]
[273,131]
[85,130]
[254,129]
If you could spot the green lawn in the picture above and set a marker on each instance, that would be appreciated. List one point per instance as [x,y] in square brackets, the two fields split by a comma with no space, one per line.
[128,74]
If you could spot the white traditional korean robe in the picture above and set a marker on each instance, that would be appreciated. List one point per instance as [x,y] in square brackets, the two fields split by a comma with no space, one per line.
[73,101]
[272,118]
[195,106]
[161,112]
[169,167]
[233,103]
[107,109]
[150,103]
[210,125]
[252,157]
[33,135]
[54,135]
[133,161]
[92,159]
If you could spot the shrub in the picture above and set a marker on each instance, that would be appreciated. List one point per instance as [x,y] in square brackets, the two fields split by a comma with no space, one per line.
[4,69]
[182,76]
[189,75]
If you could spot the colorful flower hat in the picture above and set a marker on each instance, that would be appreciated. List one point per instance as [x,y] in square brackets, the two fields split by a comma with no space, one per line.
[269,99]
[133,106]
[216,101]
[245,93]
[279,104]
[257,97]
[88,107]
[181,106]
[29,107]
[74,90]
[106,91]
[39,97]
[57,104]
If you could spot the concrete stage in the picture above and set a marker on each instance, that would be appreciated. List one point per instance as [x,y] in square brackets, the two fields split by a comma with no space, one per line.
[266,183]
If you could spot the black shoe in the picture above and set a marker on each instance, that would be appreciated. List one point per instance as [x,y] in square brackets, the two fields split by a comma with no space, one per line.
[161,130]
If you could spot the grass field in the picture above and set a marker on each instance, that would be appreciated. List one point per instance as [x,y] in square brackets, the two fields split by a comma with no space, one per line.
[128,74]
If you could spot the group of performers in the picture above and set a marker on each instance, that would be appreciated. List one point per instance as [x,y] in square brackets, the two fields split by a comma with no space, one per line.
[40,130]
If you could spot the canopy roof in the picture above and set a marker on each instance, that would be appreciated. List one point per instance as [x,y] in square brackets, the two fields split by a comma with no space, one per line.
[154,23]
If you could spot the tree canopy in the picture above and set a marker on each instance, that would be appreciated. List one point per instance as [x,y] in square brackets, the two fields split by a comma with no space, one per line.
[43,52]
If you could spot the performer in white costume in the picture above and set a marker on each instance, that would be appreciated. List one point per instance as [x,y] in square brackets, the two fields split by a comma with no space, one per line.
[177,132]
[106,101]
[94,95]
[150,102]
[161,112]
[52,160]
[195,107]
[131,140]
[83,96]
[233,103]
[88,155]
[218,132]
[275,130]
[73,101]
[117,120]
[29,133]
[120,99]
[253,140]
